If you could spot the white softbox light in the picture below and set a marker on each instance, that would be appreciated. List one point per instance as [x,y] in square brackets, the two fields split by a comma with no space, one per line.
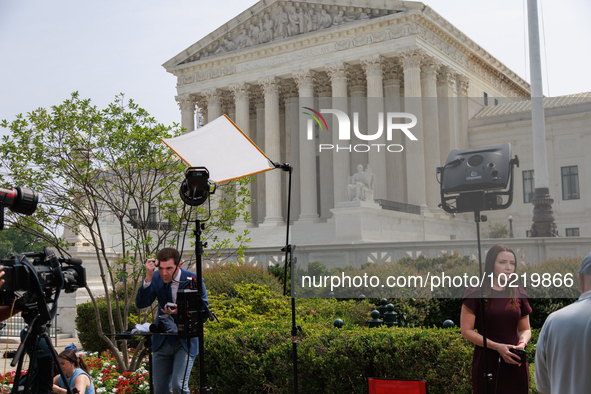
[222,148]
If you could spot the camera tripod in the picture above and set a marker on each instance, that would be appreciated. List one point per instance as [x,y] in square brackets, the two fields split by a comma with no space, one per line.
[41,382]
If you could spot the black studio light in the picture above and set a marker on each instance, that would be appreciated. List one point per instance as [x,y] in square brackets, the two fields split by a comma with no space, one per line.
[196,187]
[477,179]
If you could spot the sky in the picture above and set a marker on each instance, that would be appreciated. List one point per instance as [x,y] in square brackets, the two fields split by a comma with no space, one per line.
[49,49]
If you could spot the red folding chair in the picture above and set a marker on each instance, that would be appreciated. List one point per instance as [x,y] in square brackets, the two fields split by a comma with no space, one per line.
[396,386]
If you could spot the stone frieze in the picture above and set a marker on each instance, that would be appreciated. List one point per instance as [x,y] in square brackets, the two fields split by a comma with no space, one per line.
[342,45]
[285,20]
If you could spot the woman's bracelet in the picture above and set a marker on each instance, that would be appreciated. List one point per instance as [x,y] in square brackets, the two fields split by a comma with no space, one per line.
[525,343]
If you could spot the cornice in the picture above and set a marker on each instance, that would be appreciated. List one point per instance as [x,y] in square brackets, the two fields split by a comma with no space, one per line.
[345,36]
[445,32]
[298,48]
[236,38]
[426,26]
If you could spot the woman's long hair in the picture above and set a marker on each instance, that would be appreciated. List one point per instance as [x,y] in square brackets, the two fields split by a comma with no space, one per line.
[489,267]
[75,359]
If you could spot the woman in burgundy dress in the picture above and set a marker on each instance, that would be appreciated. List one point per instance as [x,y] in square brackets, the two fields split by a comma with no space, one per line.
[507,326]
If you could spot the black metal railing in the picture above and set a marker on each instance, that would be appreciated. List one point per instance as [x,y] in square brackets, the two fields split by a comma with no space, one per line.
[14,326]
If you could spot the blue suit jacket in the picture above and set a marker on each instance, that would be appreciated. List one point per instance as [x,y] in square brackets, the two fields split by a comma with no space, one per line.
[157,289]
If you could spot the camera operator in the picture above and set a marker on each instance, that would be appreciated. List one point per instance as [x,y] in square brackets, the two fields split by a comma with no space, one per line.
[172,356]
[563,356]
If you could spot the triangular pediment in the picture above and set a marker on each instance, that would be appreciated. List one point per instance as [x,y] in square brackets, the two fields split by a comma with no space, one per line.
[276,20]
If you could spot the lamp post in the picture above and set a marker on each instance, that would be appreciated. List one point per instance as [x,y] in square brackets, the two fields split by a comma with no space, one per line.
[511,227]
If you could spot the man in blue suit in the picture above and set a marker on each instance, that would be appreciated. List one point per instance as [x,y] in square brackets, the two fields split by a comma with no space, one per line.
[171,356]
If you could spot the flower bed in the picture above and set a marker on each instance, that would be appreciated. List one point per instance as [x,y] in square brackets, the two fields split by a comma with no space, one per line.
[107,379]
[7,380]
[105,376]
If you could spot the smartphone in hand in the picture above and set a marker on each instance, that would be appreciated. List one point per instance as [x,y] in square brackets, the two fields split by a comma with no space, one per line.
[521,353]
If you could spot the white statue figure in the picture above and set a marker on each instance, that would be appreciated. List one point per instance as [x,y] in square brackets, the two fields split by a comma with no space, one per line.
[225,46]
[311,20]
[253,35]
[281,21]
[325,19]
[339,19]
[360,187]
[242,40]
[266,29]
[294,22]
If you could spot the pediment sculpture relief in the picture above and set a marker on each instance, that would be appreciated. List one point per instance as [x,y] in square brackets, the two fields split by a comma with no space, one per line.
[284,22]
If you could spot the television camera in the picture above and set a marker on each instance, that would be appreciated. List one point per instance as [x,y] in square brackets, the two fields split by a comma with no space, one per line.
[33,281]
[30,276]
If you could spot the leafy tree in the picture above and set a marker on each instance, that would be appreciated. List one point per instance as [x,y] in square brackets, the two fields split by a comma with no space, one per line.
[16,241]
[498,230]
[97,170]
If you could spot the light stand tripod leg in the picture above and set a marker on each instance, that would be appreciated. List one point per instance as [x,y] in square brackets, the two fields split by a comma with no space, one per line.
[199,245]
[294,333]
[289,259]
[487,376]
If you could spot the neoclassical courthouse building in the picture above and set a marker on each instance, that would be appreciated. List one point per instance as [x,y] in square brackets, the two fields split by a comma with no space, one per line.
[279,59]
[263,67]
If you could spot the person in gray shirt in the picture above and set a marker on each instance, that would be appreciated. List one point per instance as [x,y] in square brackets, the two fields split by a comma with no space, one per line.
[563,354]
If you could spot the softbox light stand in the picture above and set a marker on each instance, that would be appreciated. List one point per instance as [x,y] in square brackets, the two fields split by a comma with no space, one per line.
[199,245]
[474,180]
[241,158]
[290,260]
[487,375]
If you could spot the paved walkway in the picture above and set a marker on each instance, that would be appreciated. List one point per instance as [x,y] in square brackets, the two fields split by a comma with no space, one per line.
[12,343]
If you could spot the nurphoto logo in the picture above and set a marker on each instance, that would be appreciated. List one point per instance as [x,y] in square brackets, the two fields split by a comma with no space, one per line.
[344,130]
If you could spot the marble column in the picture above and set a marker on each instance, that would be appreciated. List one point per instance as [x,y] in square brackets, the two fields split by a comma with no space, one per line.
[415,152]
[270,88]
[228,105]
[214,104]
[187,106]
[463,85]
[283,151]
[202,105]
[341,159]
[253,137]
[325,158]
[242,116]
[358,89]
[395,162]
[447,112]
[372,65]
[430,130]
[292,127]
[308,190]
[259,102]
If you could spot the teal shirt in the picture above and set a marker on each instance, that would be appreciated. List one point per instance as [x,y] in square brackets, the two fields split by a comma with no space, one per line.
[71,380]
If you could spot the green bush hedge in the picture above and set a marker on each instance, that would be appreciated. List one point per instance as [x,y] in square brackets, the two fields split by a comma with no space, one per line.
[421,308]
[251,349]
[257,358]
[87,327]
[221,280]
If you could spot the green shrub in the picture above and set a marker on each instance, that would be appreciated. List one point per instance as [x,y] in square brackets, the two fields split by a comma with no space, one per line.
[221,280]
[259,304]
[257,358]
[278,271]
[87,328]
